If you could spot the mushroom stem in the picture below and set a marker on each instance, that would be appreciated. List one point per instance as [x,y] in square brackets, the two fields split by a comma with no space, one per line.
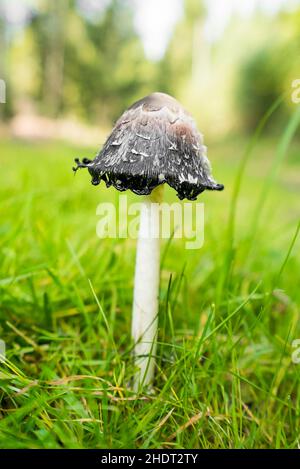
[146,289]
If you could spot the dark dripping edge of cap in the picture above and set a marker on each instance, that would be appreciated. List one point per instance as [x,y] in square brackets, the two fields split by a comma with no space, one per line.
[144,184]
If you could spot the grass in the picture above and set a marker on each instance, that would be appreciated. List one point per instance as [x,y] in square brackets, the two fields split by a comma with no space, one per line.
[228,312]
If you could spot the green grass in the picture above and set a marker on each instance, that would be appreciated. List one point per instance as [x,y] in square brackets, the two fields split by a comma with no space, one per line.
[228,312]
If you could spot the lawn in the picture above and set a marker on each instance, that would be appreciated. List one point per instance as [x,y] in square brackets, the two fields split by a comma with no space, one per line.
[229,312]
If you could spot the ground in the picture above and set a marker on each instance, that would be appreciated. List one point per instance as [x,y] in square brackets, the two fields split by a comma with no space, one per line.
[229,312]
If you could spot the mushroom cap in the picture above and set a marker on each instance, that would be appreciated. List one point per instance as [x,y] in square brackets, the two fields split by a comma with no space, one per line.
[155,141]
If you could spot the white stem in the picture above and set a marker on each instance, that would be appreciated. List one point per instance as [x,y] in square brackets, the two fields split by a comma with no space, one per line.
[146,288]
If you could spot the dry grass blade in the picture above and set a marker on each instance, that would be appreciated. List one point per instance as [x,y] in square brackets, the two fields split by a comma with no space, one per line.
[194,419]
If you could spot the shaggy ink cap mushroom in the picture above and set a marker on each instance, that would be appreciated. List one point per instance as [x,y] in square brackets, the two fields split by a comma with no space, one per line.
[155,141]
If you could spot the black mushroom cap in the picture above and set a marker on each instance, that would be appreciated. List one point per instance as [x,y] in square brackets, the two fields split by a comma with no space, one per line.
[153,142]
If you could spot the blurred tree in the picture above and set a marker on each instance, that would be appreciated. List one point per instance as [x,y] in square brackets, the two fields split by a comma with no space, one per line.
[49,28]
[3,51]
[7,108]
[186,52]
[184,71]
[259,86]
[109,66]
[91,62]
[268,72]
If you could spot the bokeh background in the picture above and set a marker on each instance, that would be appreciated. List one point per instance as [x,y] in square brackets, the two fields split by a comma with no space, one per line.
[85,61]
[230,311]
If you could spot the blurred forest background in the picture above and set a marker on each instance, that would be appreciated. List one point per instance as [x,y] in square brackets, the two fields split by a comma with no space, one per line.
[228,312]
[84,61]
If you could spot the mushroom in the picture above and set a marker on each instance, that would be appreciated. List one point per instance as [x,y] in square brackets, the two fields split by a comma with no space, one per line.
[154,142]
